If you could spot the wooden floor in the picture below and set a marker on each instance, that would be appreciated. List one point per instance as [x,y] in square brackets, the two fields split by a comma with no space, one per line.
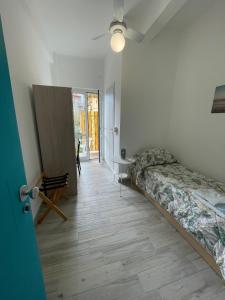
[116,248]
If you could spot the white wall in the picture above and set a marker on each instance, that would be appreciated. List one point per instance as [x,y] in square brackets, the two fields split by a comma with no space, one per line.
[112,76]
[29,62]
[87,73]
[148,79]
[168,89]
[196,136]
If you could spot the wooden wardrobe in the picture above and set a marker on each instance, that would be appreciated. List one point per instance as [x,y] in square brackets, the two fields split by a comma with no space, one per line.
[55,124]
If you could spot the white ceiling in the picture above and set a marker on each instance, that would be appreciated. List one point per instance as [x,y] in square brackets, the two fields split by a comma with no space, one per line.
[68,26]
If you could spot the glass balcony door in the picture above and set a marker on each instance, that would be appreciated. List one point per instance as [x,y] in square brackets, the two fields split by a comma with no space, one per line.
[80,111]
[86,119]
[93,125]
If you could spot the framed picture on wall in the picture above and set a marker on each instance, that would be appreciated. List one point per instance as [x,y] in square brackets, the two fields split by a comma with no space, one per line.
[219,100]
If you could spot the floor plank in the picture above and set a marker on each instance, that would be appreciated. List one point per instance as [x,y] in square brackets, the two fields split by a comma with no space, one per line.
[118,248]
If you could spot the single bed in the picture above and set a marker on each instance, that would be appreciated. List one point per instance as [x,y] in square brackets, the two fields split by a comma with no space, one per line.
[193,203]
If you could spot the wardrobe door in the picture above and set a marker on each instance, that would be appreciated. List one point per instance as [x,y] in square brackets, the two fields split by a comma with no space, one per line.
[54,114]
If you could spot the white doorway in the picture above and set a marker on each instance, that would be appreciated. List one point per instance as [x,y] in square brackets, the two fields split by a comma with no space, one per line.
[86,108]
[109,124]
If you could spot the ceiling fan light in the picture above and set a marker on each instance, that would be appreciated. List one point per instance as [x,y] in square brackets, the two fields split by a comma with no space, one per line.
[117,42]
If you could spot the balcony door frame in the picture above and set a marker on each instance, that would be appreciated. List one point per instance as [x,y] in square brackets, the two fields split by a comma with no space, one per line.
[85,92]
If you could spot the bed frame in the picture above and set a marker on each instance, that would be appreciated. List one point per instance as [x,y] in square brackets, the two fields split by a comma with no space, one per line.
[186,235]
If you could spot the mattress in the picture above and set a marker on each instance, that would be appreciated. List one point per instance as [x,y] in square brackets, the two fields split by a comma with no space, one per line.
[195,201]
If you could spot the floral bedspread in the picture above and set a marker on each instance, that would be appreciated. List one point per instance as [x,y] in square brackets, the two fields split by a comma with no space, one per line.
[195,201]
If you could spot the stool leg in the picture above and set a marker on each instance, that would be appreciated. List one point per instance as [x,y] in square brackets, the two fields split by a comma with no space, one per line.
[47,211]
[51,206]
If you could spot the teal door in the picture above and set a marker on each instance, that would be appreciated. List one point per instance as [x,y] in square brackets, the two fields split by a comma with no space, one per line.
[20,271]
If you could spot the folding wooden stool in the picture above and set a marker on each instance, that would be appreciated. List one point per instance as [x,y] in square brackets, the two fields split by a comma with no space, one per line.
[51,190]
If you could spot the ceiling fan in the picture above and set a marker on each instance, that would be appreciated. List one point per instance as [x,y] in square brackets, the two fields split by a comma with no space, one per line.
[119,30]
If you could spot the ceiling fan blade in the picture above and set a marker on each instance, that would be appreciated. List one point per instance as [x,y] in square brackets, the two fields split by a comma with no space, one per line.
[134,35]
[118,9]
[98,36]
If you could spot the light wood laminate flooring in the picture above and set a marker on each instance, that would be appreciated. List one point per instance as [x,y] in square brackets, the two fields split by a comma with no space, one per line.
[119,248]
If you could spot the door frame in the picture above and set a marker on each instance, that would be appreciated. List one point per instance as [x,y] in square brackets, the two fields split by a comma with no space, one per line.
[85,92]
[109,91]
